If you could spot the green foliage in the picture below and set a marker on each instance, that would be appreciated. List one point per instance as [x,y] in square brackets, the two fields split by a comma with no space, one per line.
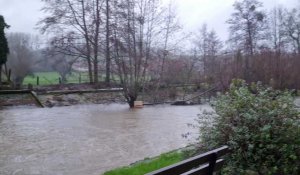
[149,165]
[261,126]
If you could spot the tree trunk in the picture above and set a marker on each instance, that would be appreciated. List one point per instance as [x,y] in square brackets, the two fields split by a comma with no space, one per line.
[63,78]
[247,69]
[96,70]
[107,76]
[96,41]
[298,45]
[131,100]
[90,70]
[0,75]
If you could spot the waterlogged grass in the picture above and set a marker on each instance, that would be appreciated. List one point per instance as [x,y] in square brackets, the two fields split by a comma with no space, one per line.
[149,165]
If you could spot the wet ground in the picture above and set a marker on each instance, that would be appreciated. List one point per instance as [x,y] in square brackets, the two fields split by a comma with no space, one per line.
[88,140]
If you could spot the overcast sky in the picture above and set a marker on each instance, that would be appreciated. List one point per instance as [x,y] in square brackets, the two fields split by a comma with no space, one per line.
[22,15]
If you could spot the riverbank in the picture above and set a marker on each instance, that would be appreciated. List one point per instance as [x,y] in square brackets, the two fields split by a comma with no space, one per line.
[68,95]
[62,98]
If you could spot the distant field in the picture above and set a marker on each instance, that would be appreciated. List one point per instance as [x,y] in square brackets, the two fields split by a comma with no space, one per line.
[49,78]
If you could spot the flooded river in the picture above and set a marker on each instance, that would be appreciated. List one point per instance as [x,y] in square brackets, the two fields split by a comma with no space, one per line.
[88,140]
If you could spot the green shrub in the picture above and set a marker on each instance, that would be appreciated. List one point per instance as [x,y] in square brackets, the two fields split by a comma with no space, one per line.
[260,125]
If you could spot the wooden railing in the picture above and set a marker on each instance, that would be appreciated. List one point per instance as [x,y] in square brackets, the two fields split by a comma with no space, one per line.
[32,93]
[203,164]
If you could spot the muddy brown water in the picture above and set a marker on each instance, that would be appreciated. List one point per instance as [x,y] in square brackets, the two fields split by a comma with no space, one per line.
[88,139]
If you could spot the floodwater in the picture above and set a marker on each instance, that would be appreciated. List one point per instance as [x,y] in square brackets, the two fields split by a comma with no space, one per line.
[88,139]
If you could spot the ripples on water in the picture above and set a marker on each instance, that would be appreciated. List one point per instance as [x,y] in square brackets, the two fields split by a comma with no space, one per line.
[88,139]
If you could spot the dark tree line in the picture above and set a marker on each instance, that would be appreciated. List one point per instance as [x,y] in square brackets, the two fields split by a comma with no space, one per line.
[3,45]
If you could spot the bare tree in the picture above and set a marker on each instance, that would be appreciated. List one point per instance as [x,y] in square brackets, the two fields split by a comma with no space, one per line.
[22,55]
[169,28]
[136,27]
[292,28]
[276,28]
[76,25]
[107,51]
[207,47]
[247,28]
[59,62]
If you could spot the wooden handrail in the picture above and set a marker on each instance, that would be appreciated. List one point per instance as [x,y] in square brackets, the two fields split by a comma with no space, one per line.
[205,159]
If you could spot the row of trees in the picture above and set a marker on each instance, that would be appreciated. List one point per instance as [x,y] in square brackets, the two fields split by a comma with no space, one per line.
[127,33]
[262,46]
[141,42]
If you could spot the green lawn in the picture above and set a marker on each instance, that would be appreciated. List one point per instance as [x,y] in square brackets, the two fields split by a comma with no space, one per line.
[149,165]
[50,78]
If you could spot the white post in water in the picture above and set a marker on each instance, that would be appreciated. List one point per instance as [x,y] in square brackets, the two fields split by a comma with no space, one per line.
[138,104]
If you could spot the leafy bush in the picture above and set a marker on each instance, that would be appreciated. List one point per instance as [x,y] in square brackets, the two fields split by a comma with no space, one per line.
[260,125]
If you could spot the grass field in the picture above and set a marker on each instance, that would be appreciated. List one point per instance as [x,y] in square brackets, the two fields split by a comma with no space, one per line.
[149,165]
[50,78]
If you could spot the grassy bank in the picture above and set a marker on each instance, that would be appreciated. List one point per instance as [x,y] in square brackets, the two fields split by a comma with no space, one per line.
[149,165]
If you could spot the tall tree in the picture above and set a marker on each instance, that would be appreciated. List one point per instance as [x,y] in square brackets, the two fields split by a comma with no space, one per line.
[292,28]
[59,62]
[3,45]
[247,28]
[76,25]
[202,47]
[136,24]
[277,29]
[23,55]
[208,46]
[169,27]
[107,51]
[278,42]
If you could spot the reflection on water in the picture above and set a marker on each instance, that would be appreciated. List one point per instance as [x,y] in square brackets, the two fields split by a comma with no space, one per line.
[88,139]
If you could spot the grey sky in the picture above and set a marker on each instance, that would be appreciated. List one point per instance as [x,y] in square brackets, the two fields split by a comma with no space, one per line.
[215,13]
[23,15]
